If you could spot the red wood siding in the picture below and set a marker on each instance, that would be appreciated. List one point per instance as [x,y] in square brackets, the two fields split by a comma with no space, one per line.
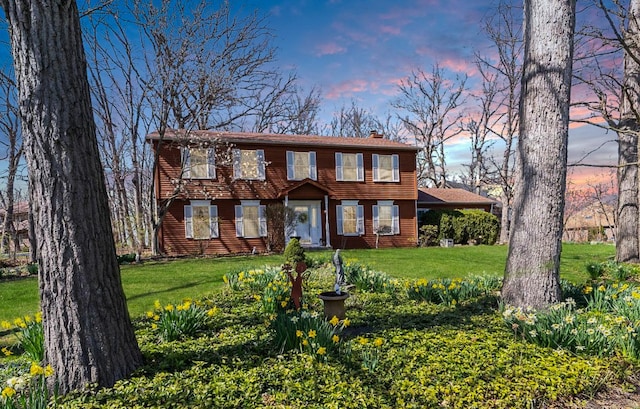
[225,192]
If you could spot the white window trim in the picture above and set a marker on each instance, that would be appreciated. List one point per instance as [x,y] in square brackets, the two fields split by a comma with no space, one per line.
[214,228]
[262,219]
[186,163]
[261,164]
[359,169]
[395,217]
[359,218]
[313,169]
[395,164]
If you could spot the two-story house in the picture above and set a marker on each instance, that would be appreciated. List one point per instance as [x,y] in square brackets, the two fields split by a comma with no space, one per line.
[216,188]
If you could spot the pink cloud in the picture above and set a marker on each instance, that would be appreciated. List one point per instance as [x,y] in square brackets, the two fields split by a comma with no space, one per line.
[329,49]
[347,88]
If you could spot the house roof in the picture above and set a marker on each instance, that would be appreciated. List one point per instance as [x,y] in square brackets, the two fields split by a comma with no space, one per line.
[451,196]
[372,142]
[306,182]
[593,215]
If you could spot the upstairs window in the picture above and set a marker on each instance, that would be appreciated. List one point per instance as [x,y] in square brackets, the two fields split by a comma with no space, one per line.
[386,168]
[201,220]
[386,218]
[350,218]
[301,165]
[251,220]
[349,167]
[248,164]
[199,163]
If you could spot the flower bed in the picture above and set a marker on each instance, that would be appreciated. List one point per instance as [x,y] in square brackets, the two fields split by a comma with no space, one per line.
[395,349]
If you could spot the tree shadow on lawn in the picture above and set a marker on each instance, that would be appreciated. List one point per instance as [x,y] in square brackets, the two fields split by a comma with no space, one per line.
[167,290]
[418,318]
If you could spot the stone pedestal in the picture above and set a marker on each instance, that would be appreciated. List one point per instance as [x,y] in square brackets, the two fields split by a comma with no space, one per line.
[334,304]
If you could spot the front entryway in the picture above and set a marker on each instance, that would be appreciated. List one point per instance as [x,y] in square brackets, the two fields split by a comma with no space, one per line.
[308,227]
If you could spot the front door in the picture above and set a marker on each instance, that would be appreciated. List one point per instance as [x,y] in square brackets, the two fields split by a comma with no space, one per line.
[308,227]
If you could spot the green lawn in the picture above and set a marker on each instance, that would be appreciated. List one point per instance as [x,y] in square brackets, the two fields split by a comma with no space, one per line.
[170,281]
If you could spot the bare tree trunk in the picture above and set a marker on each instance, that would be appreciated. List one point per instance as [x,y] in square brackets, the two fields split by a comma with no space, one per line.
[532,279]
[88,334]
[628,226]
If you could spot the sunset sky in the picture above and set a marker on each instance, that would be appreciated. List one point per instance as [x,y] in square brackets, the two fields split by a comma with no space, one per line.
[360,49]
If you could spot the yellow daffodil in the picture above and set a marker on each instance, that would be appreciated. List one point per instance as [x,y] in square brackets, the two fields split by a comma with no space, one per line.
[212,311]
[8,392]
[346,322]
[335,338]
[299,333]
[36,370]
[154,326]
[334,321]
[312,333]
[378,342]
[169,307]
[363,341]
[5,325]
[283,304]
[157,305]
[305,342]
[48,371]
[149,314]
[19,322]
[156,317]
[6,352]
[322,351]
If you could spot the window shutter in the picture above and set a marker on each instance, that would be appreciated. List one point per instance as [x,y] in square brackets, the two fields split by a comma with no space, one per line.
[213,221]
[396,167]
[262,219]
[360,162]
[339,167]
[376,218]
[237,164]
[313,170]
[260,164]
[186,163]
[376,173]
[360,221]
[290,160]
[395,220]
[239,227]
[339,219]
[188,222]
[211,163]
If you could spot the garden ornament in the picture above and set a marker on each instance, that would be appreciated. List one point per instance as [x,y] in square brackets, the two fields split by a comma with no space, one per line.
[340,279]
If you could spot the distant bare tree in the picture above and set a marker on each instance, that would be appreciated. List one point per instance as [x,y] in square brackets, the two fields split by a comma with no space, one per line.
[11,154]
[355,121]
[288,111]
[502,74]
[609,67]
[433,116]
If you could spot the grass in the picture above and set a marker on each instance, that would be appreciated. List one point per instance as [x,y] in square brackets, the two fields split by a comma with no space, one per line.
[172,281]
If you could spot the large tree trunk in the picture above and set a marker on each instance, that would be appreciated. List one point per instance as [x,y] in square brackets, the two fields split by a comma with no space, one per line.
[88,334]
[628,223]
[531,276]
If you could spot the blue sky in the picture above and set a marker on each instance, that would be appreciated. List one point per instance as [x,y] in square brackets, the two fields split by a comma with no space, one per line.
[359,50]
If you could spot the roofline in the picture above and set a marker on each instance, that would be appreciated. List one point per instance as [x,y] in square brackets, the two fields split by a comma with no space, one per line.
[272,139]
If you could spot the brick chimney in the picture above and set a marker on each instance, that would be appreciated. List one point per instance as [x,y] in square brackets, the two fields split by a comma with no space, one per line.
[374,134]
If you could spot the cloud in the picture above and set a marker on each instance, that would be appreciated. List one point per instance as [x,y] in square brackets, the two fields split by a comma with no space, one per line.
[329,49]
[346,89]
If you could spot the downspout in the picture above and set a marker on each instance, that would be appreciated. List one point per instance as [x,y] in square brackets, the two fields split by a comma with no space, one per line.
[326,221]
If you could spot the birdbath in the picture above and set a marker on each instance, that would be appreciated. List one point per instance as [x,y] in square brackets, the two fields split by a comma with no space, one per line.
[334,300]
[334,304]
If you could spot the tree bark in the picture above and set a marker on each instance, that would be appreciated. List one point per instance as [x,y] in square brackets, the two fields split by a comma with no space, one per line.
[531,276]
[628,223]
[88,334]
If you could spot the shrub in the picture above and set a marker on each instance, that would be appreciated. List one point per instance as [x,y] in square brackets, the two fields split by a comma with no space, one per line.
[32,268]
[463,225]
[294,253]
[428,235]
[595,270]
[126,258]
